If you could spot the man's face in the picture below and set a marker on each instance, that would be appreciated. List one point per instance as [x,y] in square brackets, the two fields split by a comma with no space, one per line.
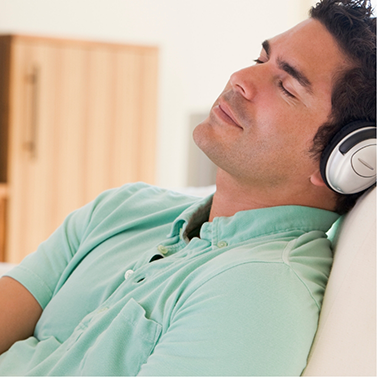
[261,128]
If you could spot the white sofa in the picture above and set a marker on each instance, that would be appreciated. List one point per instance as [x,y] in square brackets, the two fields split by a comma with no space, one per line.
[345,344]
[4,267]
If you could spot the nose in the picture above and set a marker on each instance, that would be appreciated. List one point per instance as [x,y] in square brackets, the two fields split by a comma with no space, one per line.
[242,81]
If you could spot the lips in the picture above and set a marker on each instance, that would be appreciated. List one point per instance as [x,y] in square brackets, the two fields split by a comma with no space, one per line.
[227,113]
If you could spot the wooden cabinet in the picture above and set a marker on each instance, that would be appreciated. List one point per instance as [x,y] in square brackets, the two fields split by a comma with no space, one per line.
[77,118]
[3,200]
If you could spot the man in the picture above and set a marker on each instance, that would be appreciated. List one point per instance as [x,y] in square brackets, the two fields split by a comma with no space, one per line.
[236,286]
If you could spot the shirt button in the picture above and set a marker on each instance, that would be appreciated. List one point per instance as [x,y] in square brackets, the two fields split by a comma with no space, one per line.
[162,249]
[128,274]
[222,244]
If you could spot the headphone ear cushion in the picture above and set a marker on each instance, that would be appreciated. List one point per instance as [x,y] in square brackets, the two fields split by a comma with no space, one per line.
[341,143]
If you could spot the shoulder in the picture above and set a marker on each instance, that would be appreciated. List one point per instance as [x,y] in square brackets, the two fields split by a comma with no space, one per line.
[256,307]
[249,277]
[139,198]
[293,269]
[143,193]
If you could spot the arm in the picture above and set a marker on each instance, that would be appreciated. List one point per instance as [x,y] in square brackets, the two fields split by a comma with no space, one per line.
[26,289]
[19,312]
[29,286]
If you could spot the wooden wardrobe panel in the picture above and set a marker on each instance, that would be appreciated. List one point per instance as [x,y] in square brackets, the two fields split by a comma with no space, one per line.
[4,105]
[126,134]
[3,208]
[31,164]
[148,115]
[99,128]
[70,133]
[82,119]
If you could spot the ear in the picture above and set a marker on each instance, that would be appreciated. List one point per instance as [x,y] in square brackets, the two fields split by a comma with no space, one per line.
[316,179]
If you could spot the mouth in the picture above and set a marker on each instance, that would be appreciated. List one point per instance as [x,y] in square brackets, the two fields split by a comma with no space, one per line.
[226,114]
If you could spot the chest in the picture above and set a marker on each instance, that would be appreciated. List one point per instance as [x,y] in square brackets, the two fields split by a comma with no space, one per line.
[119,269]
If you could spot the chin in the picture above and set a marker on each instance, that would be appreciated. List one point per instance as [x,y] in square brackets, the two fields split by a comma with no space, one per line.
[200,133]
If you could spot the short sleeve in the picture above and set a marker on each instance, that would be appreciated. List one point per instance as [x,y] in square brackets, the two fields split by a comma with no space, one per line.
[41,271]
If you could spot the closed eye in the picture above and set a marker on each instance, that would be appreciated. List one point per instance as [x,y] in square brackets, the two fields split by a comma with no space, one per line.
[280,83]
[285,91]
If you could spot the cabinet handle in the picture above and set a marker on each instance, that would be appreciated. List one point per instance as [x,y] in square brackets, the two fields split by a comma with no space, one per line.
[32,136]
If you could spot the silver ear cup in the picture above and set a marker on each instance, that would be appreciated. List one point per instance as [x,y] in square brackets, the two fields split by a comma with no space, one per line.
[351,165]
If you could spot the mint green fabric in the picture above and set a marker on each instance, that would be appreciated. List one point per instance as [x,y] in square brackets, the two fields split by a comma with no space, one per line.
[243,299]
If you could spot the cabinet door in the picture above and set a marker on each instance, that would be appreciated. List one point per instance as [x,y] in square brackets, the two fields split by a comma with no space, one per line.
[82,121]
[68,132]
[32,134]
[120,142]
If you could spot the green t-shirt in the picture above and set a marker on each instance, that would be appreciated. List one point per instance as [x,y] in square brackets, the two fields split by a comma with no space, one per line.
[124,291]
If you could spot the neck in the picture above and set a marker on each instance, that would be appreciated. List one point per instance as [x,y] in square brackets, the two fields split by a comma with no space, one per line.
[233,196]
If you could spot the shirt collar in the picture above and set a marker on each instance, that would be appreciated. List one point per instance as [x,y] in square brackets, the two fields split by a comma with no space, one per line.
[183,219]
[273,220]
[249,224]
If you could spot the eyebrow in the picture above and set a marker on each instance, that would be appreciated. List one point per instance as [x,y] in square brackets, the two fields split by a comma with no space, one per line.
[292,71]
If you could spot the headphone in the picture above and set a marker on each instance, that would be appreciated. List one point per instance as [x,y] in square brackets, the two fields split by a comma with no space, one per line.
[348,163]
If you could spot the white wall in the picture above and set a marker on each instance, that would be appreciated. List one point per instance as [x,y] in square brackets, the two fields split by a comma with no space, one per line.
[201,42]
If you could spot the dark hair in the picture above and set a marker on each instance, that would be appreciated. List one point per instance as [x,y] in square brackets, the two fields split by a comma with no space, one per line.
[354,93]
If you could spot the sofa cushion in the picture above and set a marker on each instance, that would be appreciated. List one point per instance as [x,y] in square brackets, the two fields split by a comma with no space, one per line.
[345,344]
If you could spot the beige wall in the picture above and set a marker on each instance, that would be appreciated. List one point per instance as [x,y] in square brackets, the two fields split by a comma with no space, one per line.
[201,43]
